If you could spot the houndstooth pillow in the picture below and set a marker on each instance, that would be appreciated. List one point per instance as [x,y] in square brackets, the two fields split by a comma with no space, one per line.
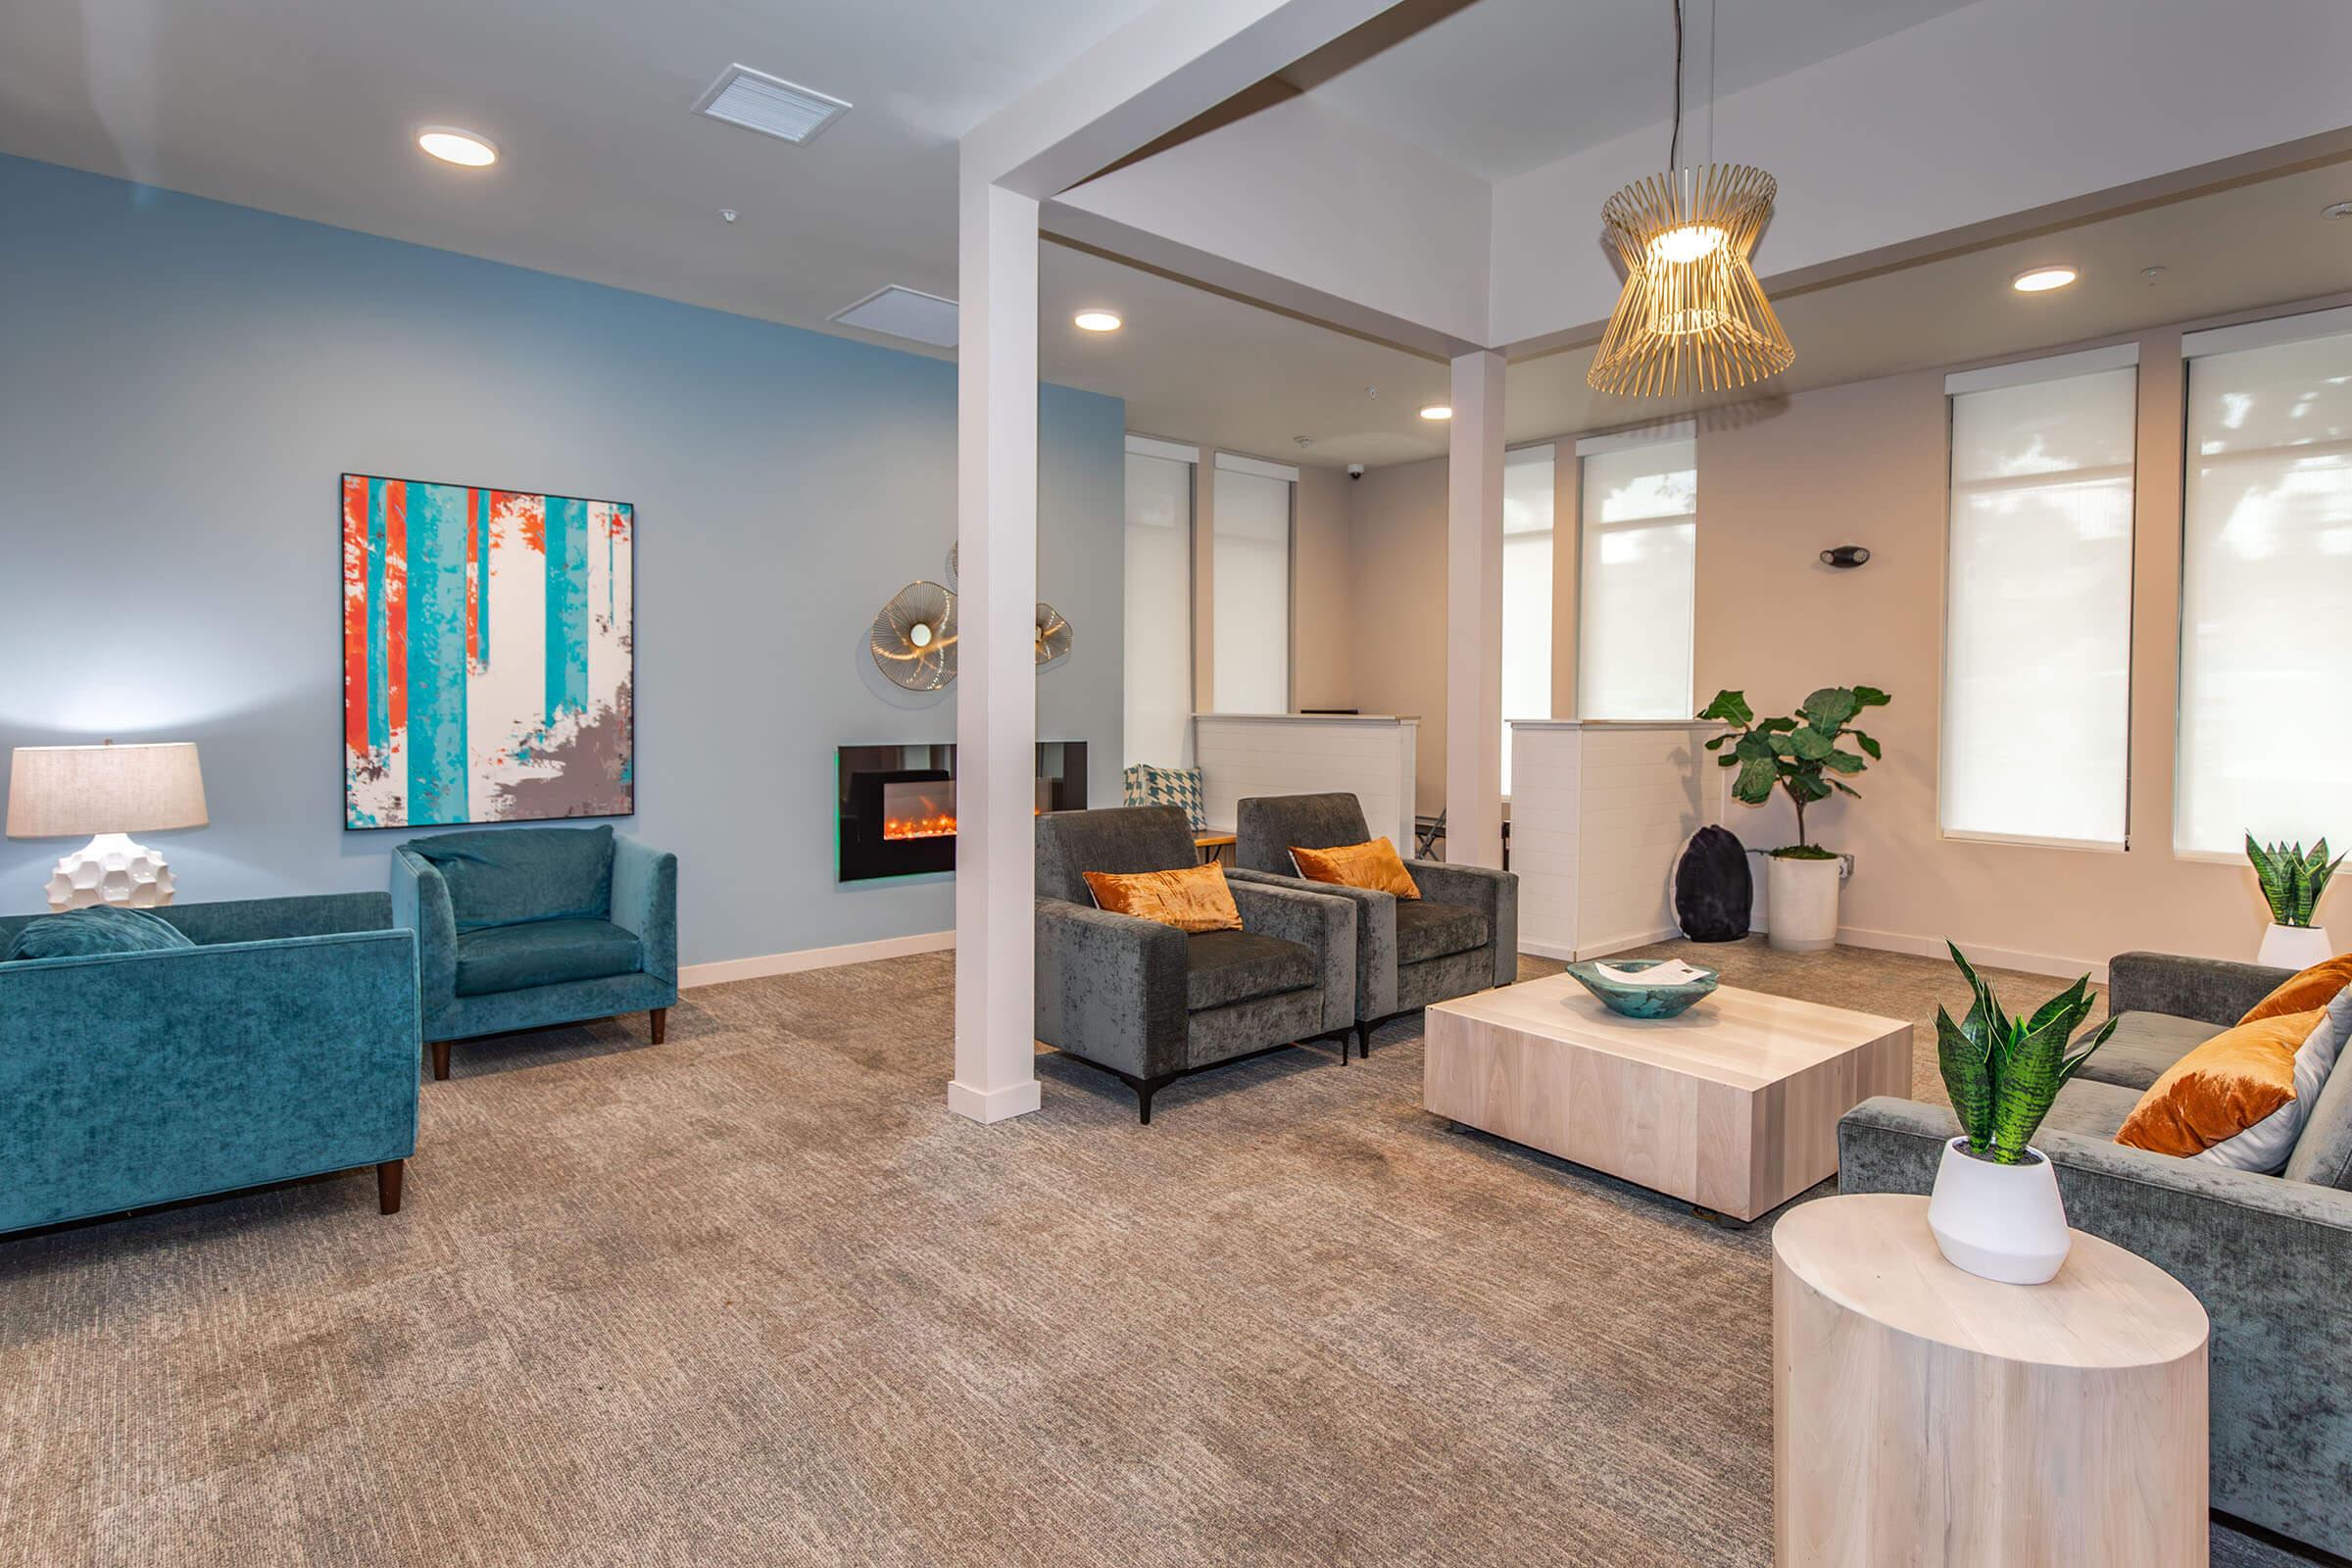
[1147,785]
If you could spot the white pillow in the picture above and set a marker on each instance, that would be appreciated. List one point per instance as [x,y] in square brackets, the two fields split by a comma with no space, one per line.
[2265,1146]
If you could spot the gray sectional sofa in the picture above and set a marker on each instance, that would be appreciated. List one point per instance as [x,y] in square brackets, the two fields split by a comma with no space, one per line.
[2269,1256]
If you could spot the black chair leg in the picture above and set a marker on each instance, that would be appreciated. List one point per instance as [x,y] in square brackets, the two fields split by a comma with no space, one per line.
[1145,1089]
[1363,1039]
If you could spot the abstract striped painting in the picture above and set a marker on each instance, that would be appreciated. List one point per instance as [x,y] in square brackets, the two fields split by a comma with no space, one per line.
[488,655]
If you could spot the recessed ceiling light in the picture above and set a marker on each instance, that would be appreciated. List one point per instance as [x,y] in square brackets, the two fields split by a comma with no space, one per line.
[2041,280]
[461,147]
[1096,321]
[2337,210]
[1437,411]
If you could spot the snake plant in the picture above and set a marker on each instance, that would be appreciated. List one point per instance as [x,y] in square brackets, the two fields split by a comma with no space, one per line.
[2002,1072]
[2291,880]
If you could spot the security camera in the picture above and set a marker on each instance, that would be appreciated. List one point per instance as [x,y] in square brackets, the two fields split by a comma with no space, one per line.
[1356,470]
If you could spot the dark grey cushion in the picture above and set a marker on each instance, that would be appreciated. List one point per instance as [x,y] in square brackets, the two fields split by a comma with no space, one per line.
[2142,1046]
[2214,990]
[1121,841]
[1427,929]
[1229,966]
[1265,826]
[2089,1109]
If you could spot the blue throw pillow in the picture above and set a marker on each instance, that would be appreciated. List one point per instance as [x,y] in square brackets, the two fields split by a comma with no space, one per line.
[513,876]
[100,928]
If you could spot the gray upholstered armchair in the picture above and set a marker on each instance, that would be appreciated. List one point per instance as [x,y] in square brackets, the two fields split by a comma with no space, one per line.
[1460,936]
[1149,1003]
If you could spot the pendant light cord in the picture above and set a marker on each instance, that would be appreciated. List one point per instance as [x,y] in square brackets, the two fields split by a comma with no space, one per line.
[1674,144]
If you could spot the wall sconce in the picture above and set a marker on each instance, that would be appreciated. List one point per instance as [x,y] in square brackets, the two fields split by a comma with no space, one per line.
[1845,556]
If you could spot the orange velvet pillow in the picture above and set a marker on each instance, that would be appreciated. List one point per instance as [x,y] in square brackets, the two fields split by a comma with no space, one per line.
[2315,987]
[1192,900]
[1375,866]
[2221,1087]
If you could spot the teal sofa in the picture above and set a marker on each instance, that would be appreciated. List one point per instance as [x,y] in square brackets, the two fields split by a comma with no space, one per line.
[283,1044]
[526,927]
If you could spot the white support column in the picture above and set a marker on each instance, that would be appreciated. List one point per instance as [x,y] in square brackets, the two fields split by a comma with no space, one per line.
[1474,613]
[996,688]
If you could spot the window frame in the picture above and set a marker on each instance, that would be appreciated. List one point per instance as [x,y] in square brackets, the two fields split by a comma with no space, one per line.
[1990,378]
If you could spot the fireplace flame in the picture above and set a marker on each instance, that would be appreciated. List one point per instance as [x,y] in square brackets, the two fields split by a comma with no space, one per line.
[920,827]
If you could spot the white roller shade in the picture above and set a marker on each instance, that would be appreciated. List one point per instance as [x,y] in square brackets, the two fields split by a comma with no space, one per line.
[1640,558]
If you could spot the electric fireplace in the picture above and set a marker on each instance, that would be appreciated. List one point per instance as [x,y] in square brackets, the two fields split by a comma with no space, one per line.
[896,805]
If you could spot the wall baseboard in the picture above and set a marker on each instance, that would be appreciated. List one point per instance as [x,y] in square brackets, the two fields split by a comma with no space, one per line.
[690,976]
[1995,957]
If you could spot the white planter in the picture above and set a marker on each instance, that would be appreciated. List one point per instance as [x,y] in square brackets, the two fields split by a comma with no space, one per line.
[1800,903]
[1999,1222]
[2293,947]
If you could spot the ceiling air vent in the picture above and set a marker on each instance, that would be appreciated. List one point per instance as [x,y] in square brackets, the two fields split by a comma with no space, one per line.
[770,105]
[904,312]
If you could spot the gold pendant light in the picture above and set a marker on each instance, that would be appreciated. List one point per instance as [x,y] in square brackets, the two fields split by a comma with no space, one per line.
[1693,316]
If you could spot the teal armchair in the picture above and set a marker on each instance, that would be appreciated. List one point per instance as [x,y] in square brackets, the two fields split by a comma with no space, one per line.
[283,1044]
[525,928]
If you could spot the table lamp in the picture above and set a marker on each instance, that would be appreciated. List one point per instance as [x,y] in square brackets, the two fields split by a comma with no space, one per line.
[109,791]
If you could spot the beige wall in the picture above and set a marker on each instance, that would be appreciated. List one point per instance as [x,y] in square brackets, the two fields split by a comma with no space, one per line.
[1322,622]
[1865,463]
[1397,585]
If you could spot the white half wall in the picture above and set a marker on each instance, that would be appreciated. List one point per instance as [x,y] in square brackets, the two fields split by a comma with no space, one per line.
[1371,757]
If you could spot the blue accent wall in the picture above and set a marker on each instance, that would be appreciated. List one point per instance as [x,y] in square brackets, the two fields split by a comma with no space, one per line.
[183,382]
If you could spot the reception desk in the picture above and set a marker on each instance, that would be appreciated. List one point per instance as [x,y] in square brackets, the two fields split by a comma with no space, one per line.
[1370,756]
[1599,809]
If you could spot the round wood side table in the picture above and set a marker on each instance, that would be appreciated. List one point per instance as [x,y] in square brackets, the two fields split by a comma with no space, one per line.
[1922,1415]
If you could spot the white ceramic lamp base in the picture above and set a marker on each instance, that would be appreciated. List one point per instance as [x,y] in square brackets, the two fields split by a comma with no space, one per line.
[111,870]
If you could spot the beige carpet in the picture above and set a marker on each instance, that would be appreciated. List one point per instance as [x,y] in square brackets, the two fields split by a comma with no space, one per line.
[755,1298]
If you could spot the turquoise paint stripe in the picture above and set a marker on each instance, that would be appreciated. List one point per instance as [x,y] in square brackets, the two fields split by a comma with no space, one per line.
[380,665]
[566,606]
[482,575]
[438,764]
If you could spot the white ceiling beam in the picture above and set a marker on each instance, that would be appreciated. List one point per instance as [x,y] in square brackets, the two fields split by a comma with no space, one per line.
[1159,72]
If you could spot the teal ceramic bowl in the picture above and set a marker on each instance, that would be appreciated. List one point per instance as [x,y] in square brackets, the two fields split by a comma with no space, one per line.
[1639,1001]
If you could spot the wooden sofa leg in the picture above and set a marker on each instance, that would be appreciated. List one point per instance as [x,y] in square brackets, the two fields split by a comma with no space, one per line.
[440,1058]
[387,1185]
[660,1026]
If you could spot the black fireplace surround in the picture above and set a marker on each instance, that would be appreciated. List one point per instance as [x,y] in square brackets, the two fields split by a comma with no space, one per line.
[896,805]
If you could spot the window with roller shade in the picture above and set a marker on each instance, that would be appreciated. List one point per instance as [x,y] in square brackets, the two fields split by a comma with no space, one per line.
[2038,614]
[1640,573]
[1249,573]
[1527,543]
[2266,587]
[1159,602]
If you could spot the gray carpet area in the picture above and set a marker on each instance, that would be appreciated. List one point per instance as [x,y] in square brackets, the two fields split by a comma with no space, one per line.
[755,1298]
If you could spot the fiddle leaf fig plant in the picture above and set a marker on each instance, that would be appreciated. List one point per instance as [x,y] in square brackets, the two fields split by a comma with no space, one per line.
[1800,756]
[2002,1072]
[2292,882]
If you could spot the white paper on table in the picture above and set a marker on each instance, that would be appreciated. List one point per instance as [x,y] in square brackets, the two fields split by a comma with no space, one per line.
[1673,972]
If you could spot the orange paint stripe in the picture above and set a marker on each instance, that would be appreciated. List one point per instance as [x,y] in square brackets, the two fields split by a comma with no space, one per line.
[355,615]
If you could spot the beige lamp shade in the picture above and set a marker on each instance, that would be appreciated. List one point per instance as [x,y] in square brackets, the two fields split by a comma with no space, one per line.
[72,791]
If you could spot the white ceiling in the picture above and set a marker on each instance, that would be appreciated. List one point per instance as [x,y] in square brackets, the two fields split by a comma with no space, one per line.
[1503,86]
[307,109]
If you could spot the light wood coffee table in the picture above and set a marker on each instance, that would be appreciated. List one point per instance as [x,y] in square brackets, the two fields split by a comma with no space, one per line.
[1922,1415]
[1732,1106]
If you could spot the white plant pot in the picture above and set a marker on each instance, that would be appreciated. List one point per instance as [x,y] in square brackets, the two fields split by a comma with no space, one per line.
[1801,903]
[1999,1222]
[2294,946]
